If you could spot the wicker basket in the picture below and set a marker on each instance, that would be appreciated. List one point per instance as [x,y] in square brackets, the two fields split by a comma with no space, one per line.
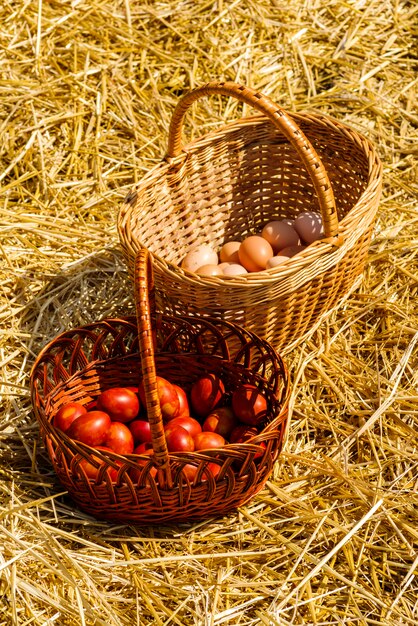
[229,184]
[80,363]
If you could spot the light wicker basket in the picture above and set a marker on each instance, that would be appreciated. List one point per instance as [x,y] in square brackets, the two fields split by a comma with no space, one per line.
[80,363]
[229,184]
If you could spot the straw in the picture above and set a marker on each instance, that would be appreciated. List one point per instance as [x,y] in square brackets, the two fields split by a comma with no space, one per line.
[87,92]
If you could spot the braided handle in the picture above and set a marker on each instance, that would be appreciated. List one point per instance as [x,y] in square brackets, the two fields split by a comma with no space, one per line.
[145,313]
[283,122]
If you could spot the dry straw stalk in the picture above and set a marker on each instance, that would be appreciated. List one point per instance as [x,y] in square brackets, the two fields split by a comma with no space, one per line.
[87,91]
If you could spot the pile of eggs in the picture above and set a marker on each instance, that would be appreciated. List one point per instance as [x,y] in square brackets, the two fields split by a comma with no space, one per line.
[278,241]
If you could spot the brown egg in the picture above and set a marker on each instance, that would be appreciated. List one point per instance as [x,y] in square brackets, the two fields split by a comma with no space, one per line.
[291,251]
[209,270]
[309,226]
[280,235]
[199,256]
[234,269]
[254,252]
[229,252]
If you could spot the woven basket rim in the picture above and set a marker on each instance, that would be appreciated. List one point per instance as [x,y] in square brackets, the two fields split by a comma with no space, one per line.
[130,321]
[60,445]
[305,258]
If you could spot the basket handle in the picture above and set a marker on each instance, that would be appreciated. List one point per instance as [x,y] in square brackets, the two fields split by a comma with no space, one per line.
[145,313]
[283,122]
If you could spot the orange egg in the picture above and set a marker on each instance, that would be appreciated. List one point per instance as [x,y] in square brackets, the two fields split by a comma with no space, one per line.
[254,252]
[229,252]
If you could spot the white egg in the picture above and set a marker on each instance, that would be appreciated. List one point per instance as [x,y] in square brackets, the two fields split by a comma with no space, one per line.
[309,226]
[199,256]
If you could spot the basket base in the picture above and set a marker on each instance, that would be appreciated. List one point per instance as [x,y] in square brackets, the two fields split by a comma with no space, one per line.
[196,504]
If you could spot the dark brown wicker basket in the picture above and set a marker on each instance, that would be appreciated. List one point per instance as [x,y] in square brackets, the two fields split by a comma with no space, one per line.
[80,363]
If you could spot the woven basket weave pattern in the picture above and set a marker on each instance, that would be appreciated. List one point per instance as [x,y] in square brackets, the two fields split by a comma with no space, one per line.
[80,363]
[228,185]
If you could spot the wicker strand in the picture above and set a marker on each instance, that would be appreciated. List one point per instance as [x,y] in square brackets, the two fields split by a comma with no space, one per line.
[285,124]
[144,285]
[227,185]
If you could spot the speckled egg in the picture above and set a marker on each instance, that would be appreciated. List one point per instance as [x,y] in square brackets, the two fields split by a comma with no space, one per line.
[199,256]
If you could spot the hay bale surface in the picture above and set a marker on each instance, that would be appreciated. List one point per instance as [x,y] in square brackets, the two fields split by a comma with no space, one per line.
[87,91]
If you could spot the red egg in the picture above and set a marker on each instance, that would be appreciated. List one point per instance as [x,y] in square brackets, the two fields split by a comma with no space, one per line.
[221,421]
[120,403]
[207,440]
[188,423]
[67,414]
[178,439]
[90,428]
[119,438]
[141,431]
[91,468]
[206,394]
[249,405]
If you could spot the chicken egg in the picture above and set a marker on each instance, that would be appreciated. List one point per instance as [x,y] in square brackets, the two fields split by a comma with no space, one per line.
[280,234]
[209,270]
[229,252]
[276,260]
[292,250]
[254,252]
[309,226]
[199,256]
[234,269]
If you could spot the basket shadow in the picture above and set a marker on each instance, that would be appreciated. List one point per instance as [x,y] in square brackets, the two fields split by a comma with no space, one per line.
[92,288]
[88,290]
